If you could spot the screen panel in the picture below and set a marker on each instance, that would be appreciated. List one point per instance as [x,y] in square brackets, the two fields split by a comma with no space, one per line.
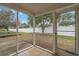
[7,36]
[66,32]
[44,31]
[25,31]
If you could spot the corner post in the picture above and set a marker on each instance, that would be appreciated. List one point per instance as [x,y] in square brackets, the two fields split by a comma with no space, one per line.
[54,48]
[34,40]
[17,34]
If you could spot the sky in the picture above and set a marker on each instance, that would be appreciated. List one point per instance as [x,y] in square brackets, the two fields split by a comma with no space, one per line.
[23,17]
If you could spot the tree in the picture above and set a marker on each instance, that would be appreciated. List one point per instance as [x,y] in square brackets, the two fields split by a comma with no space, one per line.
[5,19]
[24,25]
[30,22]
[66,19]
[42,21]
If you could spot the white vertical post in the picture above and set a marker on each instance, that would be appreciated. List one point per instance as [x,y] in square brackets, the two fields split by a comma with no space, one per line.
[54,33]
[34,31]
[17,34]
[77,29]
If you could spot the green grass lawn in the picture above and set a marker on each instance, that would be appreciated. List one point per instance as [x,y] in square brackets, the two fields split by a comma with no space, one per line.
[5,33]
[59,37]
[68,38]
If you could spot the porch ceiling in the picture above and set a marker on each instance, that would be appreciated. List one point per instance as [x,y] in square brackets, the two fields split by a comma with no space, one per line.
[37,8]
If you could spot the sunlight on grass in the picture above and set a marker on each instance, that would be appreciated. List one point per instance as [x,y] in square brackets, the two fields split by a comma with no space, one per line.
[68,38]
[5,33]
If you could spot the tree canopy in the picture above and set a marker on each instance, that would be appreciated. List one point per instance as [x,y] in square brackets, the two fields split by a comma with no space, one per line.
[66,19]
[6,19]
[42,21]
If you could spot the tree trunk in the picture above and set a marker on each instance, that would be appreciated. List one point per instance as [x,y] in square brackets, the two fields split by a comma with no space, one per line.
[7,30]
[42,28]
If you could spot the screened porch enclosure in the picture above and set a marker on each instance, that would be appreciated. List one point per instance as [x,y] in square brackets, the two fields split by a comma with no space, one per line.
[39,29]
